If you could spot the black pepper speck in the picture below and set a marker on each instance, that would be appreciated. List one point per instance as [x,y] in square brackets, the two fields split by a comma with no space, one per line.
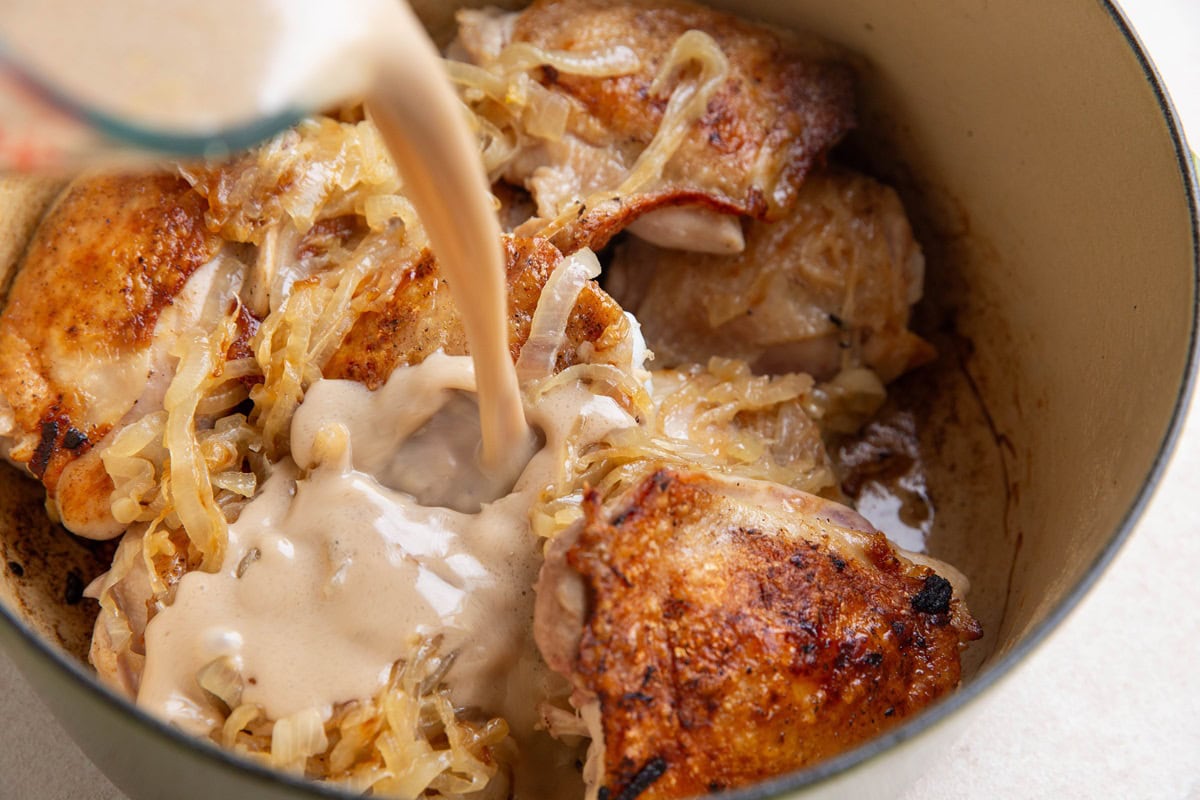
[934,597]
[74,438]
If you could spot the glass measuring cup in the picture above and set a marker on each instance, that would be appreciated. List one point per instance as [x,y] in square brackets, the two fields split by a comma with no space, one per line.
[139,79]
[43,130]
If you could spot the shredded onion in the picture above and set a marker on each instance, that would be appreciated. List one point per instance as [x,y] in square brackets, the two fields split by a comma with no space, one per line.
[720,418]
[546,115]
[608,62]
[850,399]
[297,737]
[237,722]
[560,722]
[320,169]
[687,104]
[548,329]
[133,471]
[407,742]
[191,491]
[509,110]
[221,678]
[293,343]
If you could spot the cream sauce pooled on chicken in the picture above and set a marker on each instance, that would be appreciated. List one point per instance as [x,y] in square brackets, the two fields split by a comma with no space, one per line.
[329,574]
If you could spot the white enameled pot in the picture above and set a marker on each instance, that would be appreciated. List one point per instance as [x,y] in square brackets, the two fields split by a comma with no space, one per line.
[1051,187]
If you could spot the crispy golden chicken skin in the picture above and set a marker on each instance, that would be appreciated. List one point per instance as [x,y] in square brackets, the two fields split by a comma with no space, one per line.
[419,318]
[829,286]
[107,283]
[733,630]
[783,105]
[106,263]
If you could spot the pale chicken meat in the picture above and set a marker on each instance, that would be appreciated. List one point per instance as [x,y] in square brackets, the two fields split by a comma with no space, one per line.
[782,103]
[719,632]
[828,287]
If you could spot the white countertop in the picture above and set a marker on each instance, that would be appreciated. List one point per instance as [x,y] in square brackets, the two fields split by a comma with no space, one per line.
[1108,707]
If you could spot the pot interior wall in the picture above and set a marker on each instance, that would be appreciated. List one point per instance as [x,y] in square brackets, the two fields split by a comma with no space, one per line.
[44,569]
[1034,153]
[1036,161]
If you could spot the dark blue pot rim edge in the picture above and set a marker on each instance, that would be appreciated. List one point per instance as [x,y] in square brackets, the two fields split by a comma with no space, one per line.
[859,756]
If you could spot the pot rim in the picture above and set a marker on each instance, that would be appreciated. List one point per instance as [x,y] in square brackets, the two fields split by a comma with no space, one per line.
[842,764]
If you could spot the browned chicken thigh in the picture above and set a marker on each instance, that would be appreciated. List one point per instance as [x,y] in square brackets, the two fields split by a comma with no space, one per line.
[419,317]
[80,331]
[781,104]
[731,630]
